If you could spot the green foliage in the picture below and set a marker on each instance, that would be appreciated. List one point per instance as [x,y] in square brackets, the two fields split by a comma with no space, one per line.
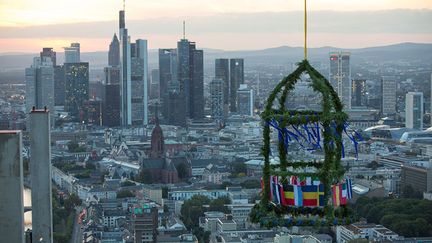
[409,192]
[85,174]
[125,193]
[238,167]
[64,216]
[127,183]
[165,192]
[182,171]
[251,183]
[406,217]
[192,209]
[145,176]
[74,147]
[219,205]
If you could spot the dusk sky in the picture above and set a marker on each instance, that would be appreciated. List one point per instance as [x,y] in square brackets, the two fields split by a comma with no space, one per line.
[29,25]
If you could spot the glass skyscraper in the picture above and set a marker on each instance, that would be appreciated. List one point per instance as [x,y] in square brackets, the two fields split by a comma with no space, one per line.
[340,76]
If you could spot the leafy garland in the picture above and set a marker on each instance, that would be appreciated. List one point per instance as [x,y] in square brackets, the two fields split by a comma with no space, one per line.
[328,171]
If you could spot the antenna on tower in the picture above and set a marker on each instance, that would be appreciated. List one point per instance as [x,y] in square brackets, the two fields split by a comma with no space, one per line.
[184,30]
[124,5]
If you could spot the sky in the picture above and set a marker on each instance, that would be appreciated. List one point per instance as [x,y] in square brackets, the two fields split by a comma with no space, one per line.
[29,25]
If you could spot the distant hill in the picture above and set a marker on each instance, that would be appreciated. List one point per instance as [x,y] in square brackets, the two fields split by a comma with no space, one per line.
[13,64]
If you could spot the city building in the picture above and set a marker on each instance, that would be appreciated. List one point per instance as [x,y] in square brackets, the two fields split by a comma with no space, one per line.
[125,73]
[59,85]
[111,97]
[114,52]
[222,72]
[358,92]
[340,76]
[388,95]
[154,85]
[418,178]
[414,110]
[145,223]
[217,99]
[362,230]
[11,187]
[40,176]
[76,88]
[245,100]
[236,79]
[139,83]
[168,81]
[40,84]
[49,52]
[72,53]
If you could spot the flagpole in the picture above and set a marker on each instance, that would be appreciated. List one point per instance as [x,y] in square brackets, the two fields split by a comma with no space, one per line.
[305,30]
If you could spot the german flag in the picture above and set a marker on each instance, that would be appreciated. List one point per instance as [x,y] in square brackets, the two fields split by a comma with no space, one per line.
[288,194]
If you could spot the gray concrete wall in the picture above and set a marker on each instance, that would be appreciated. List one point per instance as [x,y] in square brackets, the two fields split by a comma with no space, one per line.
[40,174]
[11,187]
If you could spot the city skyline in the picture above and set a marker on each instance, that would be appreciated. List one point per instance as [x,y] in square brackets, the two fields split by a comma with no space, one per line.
[274,24]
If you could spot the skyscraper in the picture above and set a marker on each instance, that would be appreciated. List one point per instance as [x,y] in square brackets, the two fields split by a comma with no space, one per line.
[111,97]
[139,83]
[125,73]
[340,76]
[114,52]
[236,78]
[245,100]
[388,94]
[72,53]
[359,92]
[145,222]
[217,86]
[167,76]
[40,176]
[48,52]
[76,87]
[414,110]
[222,72]
[59,85]
[40,84]
[154,85]
[11,187]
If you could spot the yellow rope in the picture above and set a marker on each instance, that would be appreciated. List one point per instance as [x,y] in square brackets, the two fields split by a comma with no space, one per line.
[305,31]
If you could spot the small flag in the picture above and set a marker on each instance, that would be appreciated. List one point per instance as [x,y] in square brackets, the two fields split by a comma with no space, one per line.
[271,189]
[298,200]
[308,181]
[293,180]
[349,188]
[289,194]
[282,195]
[344,194]
[316,181]
[310,196]
[321,195]
[336,195]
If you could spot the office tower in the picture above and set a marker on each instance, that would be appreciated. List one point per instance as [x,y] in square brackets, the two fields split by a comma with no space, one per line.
[154,85]
[72,53]
[388,94]
[167,76]
[125,73]
[11,187]
[414,110]
[217,99]
[76,87]
[358,92]
[191,78]
[222,72]
[59,85]
[48,52]
[245,99]
[40,176]
[111,97]
[139,83]
[236,78]
[145,223]
[340,76]
[40,84]
[114,52]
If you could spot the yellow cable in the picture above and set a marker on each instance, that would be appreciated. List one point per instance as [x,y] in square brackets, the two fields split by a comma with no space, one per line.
[305,31]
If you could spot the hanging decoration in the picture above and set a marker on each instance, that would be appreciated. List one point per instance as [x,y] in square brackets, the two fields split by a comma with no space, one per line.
[312,193]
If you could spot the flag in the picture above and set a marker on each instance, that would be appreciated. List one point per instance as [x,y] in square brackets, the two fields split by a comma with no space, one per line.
[344,194]
[336,195]
[271,188]
[262,184]
[289,194]
[316,181]
[283,200]
[321,195]
[298,200]
[349,188]
[310,196]
[302,181]
[293,180]
[308,181]
[276,194]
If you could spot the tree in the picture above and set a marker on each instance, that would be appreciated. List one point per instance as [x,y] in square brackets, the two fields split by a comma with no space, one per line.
[182,171]
[164,192]
[409,192]
[192,209]
[219,205]
[145,176]
[239,167]
[125,193]
[74,147]
[251,183]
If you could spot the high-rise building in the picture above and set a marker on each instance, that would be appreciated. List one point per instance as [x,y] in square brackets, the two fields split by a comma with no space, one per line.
[139,83]
[114,52]
[245,99]
[76,87]
[154,84]
[222,72]
[11,187]
[72,53]
[125,73]
[49,52]
[358,92]
[59,85]
[388,94]
[236,79]
[40,84]
[167,76]
[40,176]
[217,96]
[340,76]
[145,223]
[111,97]
[414,110]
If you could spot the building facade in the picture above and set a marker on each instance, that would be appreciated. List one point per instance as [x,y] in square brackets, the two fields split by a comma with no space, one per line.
[217,99]
[358,92]
[114,52]
[236,79]
[72,53]
[388,94]
[76,87]
[222,72]
[340,76]
[245,97]
[414,110]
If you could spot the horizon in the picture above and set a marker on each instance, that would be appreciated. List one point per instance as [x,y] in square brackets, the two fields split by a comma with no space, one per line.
[27,26]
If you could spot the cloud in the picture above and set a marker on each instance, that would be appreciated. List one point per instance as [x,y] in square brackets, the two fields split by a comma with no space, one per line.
[353,22]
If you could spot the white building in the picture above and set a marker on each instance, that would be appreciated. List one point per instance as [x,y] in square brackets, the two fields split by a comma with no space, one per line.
[372,232]
[414,110]
[217,99]
[388,89]
[245,100]
[340,76]
[186,195]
